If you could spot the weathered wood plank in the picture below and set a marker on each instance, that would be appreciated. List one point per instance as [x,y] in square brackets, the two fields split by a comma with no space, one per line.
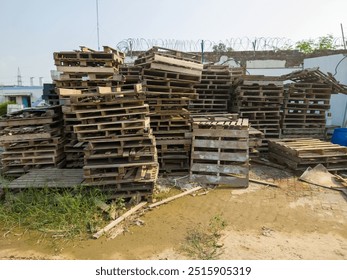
[233,169]
[119,220]
[223,144]
[174,197]
[220,133]
[239,157]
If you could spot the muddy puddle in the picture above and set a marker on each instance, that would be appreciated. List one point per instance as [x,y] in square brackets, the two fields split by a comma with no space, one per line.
[294,221]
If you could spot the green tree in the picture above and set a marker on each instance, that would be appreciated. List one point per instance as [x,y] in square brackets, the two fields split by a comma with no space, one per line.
[3,107]
[221,48]
[305,46]
[323,43]
[326,43]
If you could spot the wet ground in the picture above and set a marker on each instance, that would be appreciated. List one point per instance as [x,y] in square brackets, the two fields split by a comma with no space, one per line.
[296,221]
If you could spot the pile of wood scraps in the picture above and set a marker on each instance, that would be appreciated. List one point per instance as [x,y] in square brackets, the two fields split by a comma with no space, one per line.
[32,138]
[314,75]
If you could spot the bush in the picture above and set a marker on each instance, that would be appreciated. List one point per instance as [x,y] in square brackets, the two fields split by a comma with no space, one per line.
[53,211]
[3,107]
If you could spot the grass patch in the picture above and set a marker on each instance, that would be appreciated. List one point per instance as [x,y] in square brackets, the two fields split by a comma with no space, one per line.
[65,213]
[202,241]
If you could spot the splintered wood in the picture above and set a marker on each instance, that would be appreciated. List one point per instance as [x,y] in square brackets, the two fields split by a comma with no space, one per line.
[220,151]
[298,154]
[32,138]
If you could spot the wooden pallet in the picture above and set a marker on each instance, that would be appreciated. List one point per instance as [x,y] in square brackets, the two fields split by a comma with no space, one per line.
[119,174]
[17,169]
[299,153]
[48,178]
[220,152]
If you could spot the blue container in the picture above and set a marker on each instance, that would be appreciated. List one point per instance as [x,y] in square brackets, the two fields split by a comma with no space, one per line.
[340,136]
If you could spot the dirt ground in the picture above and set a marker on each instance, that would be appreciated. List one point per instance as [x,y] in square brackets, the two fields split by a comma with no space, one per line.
[296,221]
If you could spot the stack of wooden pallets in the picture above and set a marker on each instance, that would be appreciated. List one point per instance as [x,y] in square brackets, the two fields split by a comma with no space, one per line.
[132,75]
[213,91]
[32,138]
[220,151]
[88,68]
[304,110]
[83,69]
[120,155]
[49,95]
[168,79]
[259,99]
[299,154]
[307,101]
[255,141]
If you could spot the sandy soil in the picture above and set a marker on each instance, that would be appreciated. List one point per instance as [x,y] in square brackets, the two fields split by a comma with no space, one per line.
[295,221]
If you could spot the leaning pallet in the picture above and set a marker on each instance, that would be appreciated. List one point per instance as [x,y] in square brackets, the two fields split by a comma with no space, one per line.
[32,138]
[220,151]
[300,153]
[121,155]
[169,77]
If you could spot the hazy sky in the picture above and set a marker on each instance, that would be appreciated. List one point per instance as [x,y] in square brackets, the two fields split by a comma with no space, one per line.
[31,30]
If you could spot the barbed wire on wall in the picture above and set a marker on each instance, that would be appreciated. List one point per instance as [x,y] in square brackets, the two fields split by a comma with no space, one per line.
[236,44]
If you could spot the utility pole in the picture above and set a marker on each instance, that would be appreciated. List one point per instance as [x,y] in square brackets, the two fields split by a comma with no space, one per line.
[19,78]
[31,81]
[40,79]
[97,23]
[343,37]
[202,51]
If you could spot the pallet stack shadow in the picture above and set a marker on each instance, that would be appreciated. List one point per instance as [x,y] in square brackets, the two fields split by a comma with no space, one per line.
[83,69]
[259,99]
[213,90]
[298,154]
[168,78]
[31,139]
[120,155]
[220,151]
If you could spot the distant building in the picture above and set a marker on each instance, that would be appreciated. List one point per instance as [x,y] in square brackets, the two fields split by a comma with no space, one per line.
[24,95]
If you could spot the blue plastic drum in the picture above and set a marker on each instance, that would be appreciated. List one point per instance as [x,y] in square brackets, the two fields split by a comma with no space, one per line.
[340,136]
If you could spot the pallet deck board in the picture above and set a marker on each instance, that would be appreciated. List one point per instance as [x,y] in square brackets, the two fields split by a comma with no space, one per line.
[50,178]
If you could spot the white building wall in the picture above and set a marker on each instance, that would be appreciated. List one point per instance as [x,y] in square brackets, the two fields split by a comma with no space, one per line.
[337,66]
